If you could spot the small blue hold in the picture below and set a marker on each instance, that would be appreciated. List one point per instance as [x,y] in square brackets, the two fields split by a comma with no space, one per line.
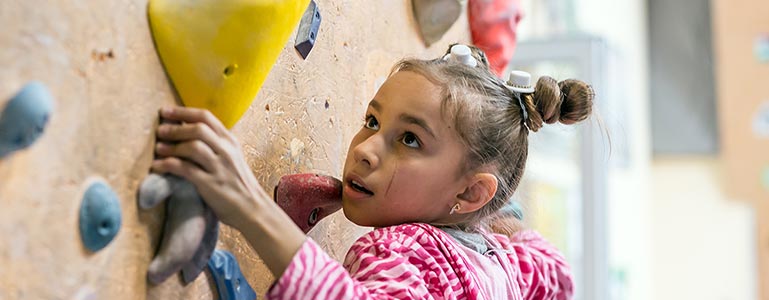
[99,216]
[24,117]
[230,282]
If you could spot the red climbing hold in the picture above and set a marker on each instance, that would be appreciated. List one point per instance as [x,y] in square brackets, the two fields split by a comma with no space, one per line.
[308,197]
[493,25]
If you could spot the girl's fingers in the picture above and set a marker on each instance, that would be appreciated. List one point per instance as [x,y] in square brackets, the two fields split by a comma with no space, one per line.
[190,131]
[181,168]
[194,150]
[194,115]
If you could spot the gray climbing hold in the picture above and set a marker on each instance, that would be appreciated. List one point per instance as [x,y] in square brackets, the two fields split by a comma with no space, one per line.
[309,26]
[199,261]
[155,189]
[99,216]
[435,17]
[190,232]
[24,118]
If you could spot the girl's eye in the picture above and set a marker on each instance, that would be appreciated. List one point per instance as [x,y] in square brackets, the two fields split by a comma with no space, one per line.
[371,123]
[409,139]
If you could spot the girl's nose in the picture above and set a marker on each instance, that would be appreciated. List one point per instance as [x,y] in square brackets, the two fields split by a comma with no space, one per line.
[368,150]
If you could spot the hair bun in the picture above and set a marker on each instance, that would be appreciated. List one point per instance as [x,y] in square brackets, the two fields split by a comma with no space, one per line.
[576,100]
[568,102]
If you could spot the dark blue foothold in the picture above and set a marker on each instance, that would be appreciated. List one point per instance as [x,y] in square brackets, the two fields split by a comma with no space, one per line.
[230,282]
[308,30]
[99,216]
[24,117]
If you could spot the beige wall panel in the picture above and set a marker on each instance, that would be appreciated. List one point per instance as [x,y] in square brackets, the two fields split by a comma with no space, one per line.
[741,83]
[741,90]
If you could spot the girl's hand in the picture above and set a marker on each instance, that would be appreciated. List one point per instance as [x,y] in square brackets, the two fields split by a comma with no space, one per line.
[202,150]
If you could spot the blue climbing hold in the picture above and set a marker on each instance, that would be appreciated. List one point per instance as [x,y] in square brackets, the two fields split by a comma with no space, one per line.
[512,208]
[517,210]
[230,282]
[24,118]
[99,216]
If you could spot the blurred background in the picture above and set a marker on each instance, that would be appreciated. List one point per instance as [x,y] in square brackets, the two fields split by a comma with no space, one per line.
[664,195]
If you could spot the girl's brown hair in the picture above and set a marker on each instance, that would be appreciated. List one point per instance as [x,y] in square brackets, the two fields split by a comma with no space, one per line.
[488,117]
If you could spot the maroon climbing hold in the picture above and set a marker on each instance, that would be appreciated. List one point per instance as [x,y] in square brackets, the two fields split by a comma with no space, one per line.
[493,27]
[308,198]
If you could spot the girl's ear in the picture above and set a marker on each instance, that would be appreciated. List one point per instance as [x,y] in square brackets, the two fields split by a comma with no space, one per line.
[479,191]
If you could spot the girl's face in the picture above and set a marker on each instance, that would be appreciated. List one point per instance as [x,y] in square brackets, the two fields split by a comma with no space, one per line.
[404,163]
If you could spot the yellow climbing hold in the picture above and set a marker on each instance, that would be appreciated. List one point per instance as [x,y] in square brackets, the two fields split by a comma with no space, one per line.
[219,52]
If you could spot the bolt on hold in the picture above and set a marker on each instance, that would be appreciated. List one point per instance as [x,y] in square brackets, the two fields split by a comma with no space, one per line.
[308,30]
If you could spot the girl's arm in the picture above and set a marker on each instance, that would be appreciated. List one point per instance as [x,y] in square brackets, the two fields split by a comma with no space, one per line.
[544,272]
[204,152]
[387,263]
[390,266]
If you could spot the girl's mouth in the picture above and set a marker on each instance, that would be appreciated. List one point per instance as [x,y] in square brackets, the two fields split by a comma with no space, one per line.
[359,187]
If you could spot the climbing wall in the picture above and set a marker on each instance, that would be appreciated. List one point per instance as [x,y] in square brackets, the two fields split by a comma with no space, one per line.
[98,61]
[741,47]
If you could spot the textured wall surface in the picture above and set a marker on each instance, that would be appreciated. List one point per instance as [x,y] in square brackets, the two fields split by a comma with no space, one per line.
[741,89]
[98,60]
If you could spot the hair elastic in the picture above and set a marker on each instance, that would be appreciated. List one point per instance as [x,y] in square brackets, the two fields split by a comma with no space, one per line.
[523,109]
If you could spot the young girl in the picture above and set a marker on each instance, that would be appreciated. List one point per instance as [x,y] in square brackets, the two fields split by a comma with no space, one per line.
[433,168]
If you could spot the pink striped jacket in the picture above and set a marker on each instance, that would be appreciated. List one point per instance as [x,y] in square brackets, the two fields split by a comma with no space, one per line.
[419,261]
